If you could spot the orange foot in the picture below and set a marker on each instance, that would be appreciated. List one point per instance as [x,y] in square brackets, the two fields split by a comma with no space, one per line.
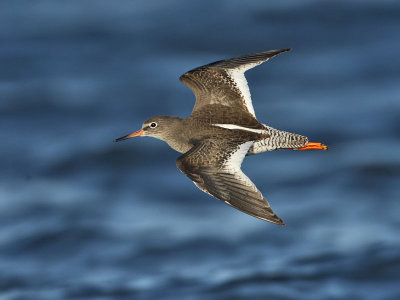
[318,146]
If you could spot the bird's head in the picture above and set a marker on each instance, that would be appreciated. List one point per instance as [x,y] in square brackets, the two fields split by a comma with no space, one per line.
[160,127]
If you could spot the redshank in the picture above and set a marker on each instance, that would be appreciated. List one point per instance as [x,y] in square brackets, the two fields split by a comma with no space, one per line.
[221,131]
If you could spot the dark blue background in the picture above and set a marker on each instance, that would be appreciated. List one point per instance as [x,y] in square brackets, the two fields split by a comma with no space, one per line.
[84,218]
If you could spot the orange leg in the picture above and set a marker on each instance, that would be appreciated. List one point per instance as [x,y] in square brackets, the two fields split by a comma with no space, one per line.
[318,146]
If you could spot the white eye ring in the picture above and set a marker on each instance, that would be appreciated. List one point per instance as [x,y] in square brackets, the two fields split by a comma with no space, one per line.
[153,125]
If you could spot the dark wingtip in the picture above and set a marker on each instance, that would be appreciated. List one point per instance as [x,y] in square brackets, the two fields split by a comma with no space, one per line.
[272,218]
[281,223]
[276,220]
[283,50]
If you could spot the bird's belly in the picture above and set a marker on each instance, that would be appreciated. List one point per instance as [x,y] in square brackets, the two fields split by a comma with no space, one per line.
[261,146]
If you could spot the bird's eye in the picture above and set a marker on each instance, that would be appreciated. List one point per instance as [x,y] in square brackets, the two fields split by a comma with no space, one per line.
[153,125]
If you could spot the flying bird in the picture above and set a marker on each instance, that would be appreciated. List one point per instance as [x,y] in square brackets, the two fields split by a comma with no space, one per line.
[221,131]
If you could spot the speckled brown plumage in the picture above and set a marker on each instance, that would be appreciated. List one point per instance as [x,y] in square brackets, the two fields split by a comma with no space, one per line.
[221,131]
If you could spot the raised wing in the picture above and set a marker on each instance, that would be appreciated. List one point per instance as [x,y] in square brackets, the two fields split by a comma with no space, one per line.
[215,169]
[223,82]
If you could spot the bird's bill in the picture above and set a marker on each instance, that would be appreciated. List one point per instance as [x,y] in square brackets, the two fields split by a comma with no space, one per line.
[133,134]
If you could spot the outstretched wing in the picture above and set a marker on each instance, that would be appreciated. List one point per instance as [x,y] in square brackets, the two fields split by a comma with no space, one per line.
[215,169]
[223,82]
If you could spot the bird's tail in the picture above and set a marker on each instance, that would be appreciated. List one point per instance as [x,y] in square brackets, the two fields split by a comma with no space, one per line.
[278,139]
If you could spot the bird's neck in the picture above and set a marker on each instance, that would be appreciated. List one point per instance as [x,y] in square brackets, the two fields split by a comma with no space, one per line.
[176,136]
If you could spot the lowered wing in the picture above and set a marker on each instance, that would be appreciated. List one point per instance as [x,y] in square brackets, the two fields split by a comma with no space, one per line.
[215,169]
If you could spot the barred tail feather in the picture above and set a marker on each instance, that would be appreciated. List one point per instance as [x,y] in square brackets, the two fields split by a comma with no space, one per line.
[278,140]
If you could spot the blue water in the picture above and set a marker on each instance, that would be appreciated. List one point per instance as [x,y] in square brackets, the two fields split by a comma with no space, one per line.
[84,218]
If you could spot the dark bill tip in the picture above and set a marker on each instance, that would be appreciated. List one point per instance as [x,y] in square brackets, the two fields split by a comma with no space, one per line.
[131,135]
[121,139]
